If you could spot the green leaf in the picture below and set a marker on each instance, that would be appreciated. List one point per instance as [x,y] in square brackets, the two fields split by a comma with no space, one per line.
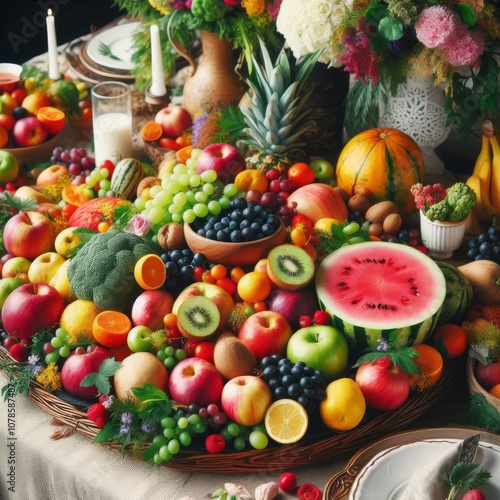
[90,380]
[466,13]
[479,413]
[379,43]
[459,472]
[149,452]
[391,28]
[375,13]
[109,367]
[107,433]
[149,392]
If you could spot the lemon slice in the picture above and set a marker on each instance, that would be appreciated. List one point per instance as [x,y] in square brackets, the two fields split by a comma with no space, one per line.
[286,421]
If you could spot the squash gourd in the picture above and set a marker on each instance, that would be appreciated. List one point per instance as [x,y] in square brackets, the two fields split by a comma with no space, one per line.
[126,177]
[384,160]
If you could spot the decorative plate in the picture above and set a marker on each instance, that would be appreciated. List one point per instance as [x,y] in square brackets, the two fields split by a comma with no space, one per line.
[112,48]
[383,469]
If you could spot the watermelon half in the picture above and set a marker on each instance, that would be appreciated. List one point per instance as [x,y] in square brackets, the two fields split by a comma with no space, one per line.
[372,289]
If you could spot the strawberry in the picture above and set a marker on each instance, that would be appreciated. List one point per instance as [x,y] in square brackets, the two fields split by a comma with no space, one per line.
[19,352]
[321,318]
[288,482]
[98,414]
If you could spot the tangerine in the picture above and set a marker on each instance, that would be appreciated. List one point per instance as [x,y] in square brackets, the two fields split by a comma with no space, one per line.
[254,286]
[430,363]
[495,391]
[150,272]
[151,131]
[52,118]
[110,328]
[450,340]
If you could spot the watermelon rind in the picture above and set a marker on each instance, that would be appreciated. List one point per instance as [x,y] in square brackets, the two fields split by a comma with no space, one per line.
[411,315]
[459,295]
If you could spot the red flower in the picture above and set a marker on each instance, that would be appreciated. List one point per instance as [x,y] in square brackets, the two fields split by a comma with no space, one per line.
[309,492]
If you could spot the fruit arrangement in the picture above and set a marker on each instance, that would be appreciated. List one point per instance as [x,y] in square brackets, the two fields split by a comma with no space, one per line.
[170,349]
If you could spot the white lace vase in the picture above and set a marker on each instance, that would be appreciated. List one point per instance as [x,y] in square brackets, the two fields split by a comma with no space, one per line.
[418,110]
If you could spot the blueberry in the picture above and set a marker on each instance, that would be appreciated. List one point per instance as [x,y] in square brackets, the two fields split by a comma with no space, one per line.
[280,393]
[302,400]
[287,380]
[268,229]
[184,261]
[483,237]
[239,203]
[255,226]
[494,233]
[269,361]
[285,369]
[259,235]
[236,215]
[202,232]
[219,226]
[187,270]
[270,371]
[222,235]
[248,234]
[211,234]
[199,259]
[284,361]
[294,390]
[234,225]
[297,371]
[249,213]
[175,255]
[306,382]
[236,236]
[164,257]
[274,383]
[171,268]
[244,224]
[225,220]
[187,252]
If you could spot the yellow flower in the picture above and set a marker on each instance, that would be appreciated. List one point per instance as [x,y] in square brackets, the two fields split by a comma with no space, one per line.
[161,5]
[50,378]
[254,8]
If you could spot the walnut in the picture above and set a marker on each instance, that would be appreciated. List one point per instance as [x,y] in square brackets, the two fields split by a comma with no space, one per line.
[171,236]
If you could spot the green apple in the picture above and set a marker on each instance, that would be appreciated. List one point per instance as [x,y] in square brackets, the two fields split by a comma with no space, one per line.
[7,285]
[139,339]
[323,169]
[321,347]
[9,167]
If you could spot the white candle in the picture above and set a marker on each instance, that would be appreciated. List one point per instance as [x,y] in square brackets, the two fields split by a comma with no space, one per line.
[158,87]
[54,73]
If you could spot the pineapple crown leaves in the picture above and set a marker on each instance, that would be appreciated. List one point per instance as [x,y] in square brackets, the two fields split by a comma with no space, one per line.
[276,116]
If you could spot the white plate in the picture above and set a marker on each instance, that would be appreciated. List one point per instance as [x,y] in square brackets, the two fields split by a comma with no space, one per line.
[119,40]
[387,474]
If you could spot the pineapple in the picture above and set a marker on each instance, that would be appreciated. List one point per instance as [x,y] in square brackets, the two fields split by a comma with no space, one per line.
[275,115]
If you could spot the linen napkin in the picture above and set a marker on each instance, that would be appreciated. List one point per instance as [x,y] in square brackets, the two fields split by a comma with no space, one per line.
[427,482]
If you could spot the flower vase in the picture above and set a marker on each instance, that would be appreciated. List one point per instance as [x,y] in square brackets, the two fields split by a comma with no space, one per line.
[441,238]
[213,83]
[418,110]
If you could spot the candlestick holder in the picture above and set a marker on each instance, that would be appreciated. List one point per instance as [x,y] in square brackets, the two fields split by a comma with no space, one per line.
[155,102]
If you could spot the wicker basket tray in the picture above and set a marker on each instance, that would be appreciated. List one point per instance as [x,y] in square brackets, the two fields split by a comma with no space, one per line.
[322,446]
[475,387]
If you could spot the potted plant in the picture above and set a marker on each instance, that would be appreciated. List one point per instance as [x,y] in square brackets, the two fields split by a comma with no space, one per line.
[443,214]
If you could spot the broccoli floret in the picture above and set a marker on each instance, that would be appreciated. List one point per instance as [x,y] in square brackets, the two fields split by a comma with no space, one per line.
[103,270]
[209,10]
[457,204]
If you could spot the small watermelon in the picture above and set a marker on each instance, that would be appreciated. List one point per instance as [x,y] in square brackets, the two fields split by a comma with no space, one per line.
[97,210]
[372,289]
[459,295]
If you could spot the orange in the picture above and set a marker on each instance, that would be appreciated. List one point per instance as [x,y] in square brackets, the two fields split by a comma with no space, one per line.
[495,391]
[110,328]
[52,118]
[4,137]
[430,363]
[184,153]
[218,272]
[74,195]
[450,340]
[298,237]
[170,320]
[344,405]
[286,421]
[152,131]
[150,272]
[236,274]
[254,286]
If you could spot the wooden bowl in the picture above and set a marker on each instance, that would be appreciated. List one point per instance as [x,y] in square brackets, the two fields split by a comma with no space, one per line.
[234,254]
[40,152]
[475,387]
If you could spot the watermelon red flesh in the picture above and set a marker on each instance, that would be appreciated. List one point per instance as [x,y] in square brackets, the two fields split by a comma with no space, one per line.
[374,288]
[91,213]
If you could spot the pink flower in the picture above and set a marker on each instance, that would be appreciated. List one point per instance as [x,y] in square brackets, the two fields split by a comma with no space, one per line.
[467,46]
[139,225]
[273,9]
[436,25]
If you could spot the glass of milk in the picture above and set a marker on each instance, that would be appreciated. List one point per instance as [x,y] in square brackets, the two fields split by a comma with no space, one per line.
[112,121]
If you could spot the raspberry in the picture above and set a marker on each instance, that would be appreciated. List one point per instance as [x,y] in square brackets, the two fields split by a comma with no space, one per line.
[305,320]
[98,414]
[288,482]
[321,318]
[215,443]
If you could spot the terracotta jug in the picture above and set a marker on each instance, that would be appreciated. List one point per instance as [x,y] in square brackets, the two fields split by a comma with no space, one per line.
[213,82]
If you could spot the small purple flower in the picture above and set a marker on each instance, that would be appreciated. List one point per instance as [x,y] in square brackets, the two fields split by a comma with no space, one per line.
[124,429]
[148,426]
[33,359]
[127,418]
[382,344]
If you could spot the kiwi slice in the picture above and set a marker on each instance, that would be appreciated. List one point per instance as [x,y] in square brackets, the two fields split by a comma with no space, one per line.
[290,267]
[198,317]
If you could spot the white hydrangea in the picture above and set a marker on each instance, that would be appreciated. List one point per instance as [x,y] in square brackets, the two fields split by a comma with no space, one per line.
[311,25]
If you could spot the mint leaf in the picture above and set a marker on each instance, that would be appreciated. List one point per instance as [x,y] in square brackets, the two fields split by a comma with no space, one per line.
[149,393]
[101,379]
[89,380]
[390,28]
[109,367]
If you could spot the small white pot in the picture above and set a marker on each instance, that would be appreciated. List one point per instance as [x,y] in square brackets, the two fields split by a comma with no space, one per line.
[441,238]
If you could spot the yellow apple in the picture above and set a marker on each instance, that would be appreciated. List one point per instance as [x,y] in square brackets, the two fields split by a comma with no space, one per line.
[30,193]
[14,266]
[44,267]
[66,240]
[61,283]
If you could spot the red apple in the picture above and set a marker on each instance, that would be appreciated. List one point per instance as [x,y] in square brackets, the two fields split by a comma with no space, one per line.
[215,293]
[195,380]
[79,364]
[384,386]
[265,333]
[245,399]
[150,307]
[225,159]
[31,307]
[174,120]
[29,132]
[29,234]
[7,121]
[14,266]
